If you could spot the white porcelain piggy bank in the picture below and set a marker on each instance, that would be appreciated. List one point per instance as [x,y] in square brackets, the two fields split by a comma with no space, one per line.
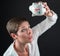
[37,9]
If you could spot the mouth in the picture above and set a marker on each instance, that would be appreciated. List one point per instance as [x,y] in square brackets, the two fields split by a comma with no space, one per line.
[30,37]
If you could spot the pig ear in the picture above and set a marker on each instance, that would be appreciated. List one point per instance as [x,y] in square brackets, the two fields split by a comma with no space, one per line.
[33,15]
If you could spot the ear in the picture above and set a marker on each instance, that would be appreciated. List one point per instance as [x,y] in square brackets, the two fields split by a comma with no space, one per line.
[14,36]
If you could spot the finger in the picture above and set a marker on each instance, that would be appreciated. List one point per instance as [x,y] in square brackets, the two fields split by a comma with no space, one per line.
[44,3]
[48,12]
[47,8]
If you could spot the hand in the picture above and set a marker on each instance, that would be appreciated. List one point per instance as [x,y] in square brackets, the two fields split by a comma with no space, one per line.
[48,11]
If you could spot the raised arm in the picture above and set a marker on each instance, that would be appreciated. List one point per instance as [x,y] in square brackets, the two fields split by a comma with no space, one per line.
[51,18]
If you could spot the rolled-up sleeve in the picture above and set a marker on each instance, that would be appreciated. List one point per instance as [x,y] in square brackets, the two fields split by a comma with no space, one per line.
[40,28]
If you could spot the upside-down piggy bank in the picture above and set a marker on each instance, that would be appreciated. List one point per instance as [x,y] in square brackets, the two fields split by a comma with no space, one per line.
[37,9]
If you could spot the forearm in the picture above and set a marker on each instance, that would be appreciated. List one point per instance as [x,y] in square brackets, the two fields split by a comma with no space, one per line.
[53,17]
[40,28]
[47,23]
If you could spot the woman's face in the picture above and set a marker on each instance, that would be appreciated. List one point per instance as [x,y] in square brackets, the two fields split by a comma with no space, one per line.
[24,34]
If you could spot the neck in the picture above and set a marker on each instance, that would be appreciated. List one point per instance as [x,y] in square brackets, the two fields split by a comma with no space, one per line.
[20,47]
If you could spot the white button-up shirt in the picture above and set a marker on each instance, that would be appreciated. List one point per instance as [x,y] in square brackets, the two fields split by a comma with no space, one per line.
[38,30]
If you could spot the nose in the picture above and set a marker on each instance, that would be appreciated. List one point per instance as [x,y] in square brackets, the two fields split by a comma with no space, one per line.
[30,31]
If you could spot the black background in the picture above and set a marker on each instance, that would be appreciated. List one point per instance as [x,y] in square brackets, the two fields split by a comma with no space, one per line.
[49,42]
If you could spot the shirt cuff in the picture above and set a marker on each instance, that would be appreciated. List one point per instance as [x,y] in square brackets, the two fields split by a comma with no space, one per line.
[53,17]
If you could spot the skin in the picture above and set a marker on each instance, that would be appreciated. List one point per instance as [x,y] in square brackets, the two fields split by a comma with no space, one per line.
[48,11]
[24,35]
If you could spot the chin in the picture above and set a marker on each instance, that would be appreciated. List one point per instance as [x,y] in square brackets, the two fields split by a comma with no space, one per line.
[30,40]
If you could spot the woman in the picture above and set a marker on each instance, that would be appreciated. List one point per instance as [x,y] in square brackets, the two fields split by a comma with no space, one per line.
[25,38]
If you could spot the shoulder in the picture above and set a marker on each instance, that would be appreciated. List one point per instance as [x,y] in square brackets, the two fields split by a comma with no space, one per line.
[9,51]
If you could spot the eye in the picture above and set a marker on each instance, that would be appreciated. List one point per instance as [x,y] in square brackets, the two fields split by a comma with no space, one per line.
[29,26]
[23,30]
